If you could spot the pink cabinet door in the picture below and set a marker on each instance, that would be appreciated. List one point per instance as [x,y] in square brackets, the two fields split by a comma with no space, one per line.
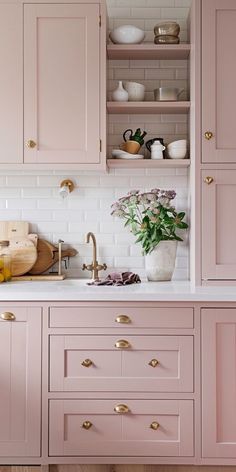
[218,80]
[11,89]
[61,83]
[113,434]
[218,225]
[219,382]
[150,363]
[20,382]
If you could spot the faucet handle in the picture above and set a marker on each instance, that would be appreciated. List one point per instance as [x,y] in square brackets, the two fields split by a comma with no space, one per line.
[104,267]
[101,267]
[84,267]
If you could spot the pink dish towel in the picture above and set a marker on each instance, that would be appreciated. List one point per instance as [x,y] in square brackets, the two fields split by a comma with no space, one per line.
[116,278]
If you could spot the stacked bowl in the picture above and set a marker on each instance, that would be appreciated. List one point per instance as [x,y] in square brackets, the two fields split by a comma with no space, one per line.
[167,33]
[177,149]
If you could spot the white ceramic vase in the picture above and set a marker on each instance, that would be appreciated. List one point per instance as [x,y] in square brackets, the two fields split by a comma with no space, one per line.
[120,94]
[160,263]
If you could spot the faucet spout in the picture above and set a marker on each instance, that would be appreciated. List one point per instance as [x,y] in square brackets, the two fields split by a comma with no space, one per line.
[94,267]
[89,236]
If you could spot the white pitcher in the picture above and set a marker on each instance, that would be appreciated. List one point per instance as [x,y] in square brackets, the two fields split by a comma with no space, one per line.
[157,150]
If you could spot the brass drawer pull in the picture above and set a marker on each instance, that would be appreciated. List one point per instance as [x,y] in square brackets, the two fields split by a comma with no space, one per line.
[123,319]
[208,135]
[8,316]
[121,409]
[31,144]
[154,425]
[87,424]
[153,363]
[87,363]
[122,344]
[208,180]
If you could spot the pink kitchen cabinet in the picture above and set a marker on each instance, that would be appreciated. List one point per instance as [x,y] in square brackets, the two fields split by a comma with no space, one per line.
[20,381]
[219,383]
[218,81]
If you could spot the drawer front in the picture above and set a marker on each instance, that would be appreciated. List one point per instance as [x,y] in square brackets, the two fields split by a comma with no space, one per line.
[113,317]
[146,363]
[149,428]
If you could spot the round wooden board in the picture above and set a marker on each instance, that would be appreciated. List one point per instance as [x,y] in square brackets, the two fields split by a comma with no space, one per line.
[24,256]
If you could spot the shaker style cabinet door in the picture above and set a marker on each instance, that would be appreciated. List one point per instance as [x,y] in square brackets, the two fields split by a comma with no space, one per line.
[218,81]
[61,83]
[219,382]
[20,381]
[218,224]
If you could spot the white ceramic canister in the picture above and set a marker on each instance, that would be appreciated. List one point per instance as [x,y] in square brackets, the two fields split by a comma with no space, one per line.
[157,150]
[120,94]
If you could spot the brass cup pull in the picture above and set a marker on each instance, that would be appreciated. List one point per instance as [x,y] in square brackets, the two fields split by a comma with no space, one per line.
[153,363]
[121,409]
[123,319]
[87,424]
[31,144]
[122,344]
[154,425]
[208,180]
[87,363]
[7,316]
[208,135]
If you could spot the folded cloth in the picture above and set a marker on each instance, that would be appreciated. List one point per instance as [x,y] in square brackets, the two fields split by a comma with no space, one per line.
[116,278]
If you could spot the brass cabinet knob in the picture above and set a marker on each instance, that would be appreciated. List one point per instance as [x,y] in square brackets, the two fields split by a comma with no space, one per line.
[31,144]
[8,316]
[87,363]
[122,409]
[123,319]
[122,344]
[87,424]
[208,135]
[208,180]
[153,363]
[154,425]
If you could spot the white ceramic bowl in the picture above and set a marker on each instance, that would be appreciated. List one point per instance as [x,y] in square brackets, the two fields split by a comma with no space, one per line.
[177,153]
[127,34]
[135,91]
[177,144]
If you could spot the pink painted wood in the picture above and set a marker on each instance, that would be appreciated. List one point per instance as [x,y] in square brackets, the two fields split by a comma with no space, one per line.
[62,83]
[11,90]
[20,384]
[116,434]
[219,382]
[218,235]
[218,80]
[104,316]
[115,369]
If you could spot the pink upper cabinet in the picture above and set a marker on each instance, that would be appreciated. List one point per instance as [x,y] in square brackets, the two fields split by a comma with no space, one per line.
[218,80]
[62,84]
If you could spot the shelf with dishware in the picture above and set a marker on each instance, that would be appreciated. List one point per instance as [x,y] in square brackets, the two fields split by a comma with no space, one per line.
[147,163]
[174,107]
[148,51]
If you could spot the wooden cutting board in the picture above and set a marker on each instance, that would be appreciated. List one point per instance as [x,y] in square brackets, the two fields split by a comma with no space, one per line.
[48,256]
[23,254]
[13,230]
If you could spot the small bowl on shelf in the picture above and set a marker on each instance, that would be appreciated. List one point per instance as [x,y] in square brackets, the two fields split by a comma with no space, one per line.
[127,34]
[167,28]
[136,91]
[177,149]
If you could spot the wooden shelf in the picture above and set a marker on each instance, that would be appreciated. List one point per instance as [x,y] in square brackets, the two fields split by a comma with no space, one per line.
[148,51]
[147,163]
[148,107]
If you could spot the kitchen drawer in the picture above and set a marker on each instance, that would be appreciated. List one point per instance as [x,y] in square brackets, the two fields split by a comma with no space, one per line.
[120,317]
[114,368]
[126,434]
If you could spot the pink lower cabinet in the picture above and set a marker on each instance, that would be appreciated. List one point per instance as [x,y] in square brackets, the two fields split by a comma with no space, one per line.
[219,383]
[121,428]
[113,363]
[20,381]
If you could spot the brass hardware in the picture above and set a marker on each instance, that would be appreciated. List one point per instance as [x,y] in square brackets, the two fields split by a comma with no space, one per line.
[8,316]
[153,363]
[100,20]
[154,425]
[208,180]
[31,144]
[100,145]
[87,424]
[121,409]
[68,183]
[87,363]
[94,267]
[122,344]
[208,135]
[123,319]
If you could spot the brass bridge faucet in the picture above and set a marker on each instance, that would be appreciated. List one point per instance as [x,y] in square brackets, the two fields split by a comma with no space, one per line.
[94,267]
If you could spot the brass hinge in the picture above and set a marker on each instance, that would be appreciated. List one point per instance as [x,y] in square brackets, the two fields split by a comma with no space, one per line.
[100,144]
[100,20]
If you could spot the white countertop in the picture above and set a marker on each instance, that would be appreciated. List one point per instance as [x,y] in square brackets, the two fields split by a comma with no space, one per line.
[78,290]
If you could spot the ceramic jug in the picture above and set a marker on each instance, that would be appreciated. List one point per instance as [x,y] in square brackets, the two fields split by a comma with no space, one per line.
[137,136]
[157,150]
